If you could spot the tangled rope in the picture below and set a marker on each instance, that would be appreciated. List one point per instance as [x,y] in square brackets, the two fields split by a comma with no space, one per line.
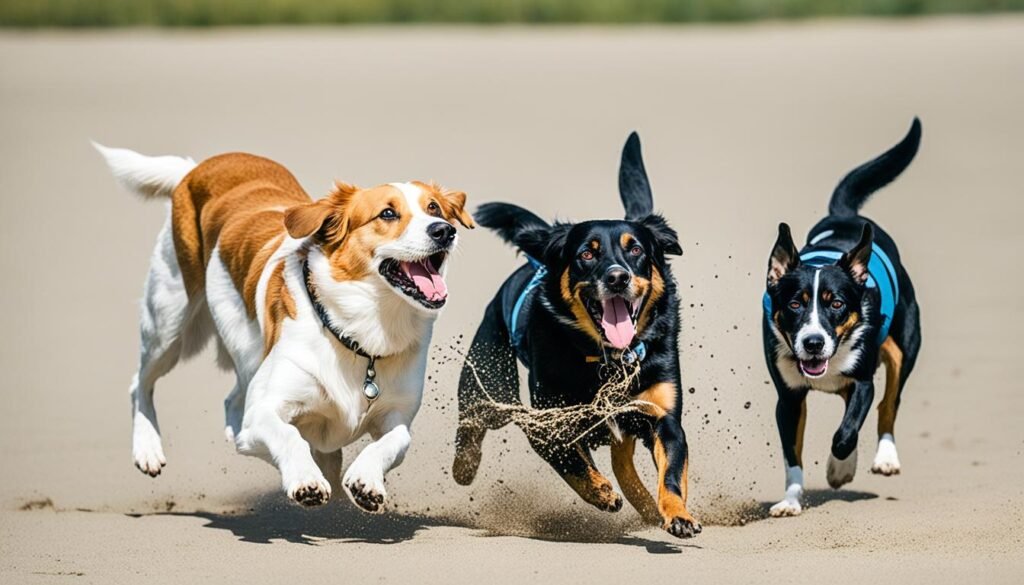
[569,424]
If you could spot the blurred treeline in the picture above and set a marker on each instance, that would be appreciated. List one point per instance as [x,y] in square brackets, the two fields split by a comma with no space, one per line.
[104,13]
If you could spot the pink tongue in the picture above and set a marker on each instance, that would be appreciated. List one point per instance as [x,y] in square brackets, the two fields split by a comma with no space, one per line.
[618,327]
[427,279]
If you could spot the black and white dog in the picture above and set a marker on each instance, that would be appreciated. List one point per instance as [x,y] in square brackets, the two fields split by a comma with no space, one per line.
[834,310]
[593,294]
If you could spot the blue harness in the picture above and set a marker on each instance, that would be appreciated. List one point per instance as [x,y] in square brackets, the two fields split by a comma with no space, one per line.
[881,276]
[540,271]
[636,353]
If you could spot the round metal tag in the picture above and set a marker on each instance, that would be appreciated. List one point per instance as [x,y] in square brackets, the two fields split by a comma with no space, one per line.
[371,390]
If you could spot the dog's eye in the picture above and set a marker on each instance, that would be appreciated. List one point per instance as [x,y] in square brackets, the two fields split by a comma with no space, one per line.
[434,209]
[795,305]
[837,304]
[389,214]
[636,250]
[586,255]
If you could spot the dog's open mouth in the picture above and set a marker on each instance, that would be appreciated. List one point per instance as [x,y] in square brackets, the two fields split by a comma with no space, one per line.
[813,368]
[420,280]
[617,318]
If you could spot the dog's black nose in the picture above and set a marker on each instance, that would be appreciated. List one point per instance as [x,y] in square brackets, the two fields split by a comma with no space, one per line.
[441,232]
[813,344]
[616,279]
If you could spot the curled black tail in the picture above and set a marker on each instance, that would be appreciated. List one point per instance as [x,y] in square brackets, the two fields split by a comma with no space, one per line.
[508,220]
[855,188]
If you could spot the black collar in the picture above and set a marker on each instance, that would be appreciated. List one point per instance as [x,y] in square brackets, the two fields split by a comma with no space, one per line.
[321,313]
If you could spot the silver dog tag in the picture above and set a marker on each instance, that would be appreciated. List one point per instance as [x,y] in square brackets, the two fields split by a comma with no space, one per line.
[371,390]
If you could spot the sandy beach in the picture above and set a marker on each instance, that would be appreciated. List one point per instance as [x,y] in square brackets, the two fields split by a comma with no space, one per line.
[742,127]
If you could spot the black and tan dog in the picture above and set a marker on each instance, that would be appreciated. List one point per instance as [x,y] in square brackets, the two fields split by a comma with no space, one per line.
[835,310]
[593,294]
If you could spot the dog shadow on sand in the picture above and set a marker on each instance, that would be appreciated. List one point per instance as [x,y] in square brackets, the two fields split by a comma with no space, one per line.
[819,497]
[269,517]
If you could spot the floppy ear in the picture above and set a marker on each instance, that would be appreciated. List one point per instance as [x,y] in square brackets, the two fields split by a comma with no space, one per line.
[457,202]
[667,238]
[323,217]
[544,244]
[634,188]
[856,260]
[305,220]
[785,257]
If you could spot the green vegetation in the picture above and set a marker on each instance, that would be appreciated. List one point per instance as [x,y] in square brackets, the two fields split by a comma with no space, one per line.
[105,13]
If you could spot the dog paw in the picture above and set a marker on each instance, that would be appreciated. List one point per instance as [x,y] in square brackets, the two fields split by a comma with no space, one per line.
[147,451]
[467,454]
[787,507]
[313,491]
[611,503]
[365,488]
[683,527]
[887,461]
[840,472]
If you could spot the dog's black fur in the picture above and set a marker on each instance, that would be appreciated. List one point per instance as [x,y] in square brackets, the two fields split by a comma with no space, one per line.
[563,346]
[849,317]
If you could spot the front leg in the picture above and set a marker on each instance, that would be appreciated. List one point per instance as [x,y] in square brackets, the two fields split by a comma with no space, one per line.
[364,479]
[791,418]
[672,460]
[576,466]
[267,431]
[842,462]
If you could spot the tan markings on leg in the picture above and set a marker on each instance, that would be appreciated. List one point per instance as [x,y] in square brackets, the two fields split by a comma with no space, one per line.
[670,504]
[629,480]
[572,299]
[662,395]
[593,487]
[801,424]
[657,288]
[892,355]
[280,304]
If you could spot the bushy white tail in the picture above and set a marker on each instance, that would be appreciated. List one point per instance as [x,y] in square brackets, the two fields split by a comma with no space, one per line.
[149,176]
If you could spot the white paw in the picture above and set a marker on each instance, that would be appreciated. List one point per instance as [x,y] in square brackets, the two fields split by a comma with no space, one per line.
[310,490]
[364,485]
[147,450]
[841,471]
[887,461]
[787,507]
[229,434]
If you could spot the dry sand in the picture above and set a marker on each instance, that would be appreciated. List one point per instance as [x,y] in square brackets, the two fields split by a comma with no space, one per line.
[742,127]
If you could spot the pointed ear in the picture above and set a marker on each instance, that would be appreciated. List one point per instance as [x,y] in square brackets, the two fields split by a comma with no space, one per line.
[664,235]
[857,259]
[324,217]
[457,202]
[634,188]
[544,244]
[785,257]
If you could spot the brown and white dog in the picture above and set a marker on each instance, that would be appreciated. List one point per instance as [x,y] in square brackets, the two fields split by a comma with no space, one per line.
[316,305]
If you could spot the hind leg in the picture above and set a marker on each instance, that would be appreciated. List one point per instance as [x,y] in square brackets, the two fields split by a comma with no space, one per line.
[240,343]
[898,365]
[488,376]
[165,314]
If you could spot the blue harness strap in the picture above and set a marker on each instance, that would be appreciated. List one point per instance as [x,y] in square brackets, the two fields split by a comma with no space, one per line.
[881,276]
[636,353]
[540,271]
